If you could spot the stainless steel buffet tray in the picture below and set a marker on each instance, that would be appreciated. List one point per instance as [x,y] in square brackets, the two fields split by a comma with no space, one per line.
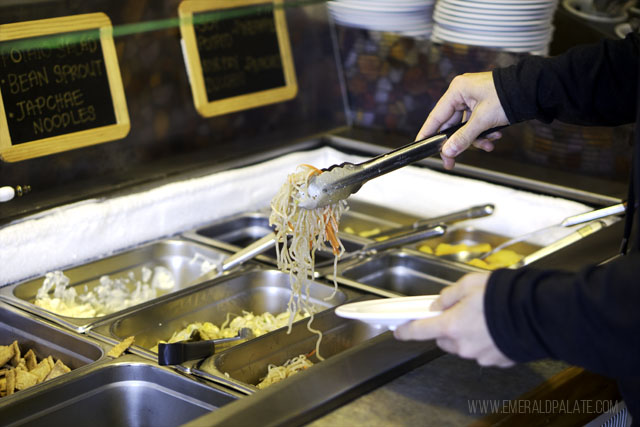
[400,272]
[472,236]
[128,391]
[186,260]
[245,365]
[238,231]
[366,218]
[257,291]
[45,339]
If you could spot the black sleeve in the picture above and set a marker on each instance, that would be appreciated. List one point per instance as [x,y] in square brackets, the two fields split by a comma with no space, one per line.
[587,85]
[590,318]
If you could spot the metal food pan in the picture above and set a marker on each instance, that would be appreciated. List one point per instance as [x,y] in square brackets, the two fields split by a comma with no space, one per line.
[471,236]
[238,231]
[257,291]
[186,260]
[365,218]
[45,340]
[125,392]
[245,365]
[401,272]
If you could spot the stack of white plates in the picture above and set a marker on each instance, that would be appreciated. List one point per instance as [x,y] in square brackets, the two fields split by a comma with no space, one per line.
[408,17]
[513,25]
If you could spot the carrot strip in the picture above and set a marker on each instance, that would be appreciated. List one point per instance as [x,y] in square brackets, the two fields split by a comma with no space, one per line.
[314,170]
[331,234]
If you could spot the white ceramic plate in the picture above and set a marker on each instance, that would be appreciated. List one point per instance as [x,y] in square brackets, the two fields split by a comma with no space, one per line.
[507,11]
[489,28]
[513,32]
[393,7]
[498,37]
[459,37]
[494,13]
[510,3]
[389,312]
[500,7]
[440,15]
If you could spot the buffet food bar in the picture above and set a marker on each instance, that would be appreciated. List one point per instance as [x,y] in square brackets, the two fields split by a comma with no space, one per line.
[159,288]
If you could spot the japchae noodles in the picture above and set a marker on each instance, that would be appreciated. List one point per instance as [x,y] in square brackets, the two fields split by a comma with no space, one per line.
[290,367]
[300,233]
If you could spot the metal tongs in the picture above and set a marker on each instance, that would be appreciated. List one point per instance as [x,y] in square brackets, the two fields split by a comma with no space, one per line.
[192,349]
[422,233]
[338,182]
[468,213]
[245,254]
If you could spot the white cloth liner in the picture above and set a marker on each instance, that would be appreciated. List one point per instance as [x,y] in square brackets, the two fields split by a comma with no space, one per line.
[73,234]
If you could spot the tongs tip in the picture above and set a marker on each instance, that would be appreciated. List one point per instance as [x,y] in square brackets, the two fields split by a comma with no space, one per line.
[328,187]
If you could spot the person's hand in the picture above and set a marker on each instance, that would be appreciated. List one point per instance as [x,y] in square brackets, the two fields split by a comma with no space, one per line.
[472,97]
[461,329]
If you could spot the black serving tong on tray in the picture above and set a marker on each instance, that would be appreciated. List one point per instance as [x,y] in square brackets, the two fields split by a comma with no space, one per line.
[192,349]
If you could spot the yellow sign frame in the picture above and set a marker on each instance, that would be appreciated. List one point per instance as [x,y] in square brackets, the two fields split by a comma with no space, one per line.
[73,140]
[196,77]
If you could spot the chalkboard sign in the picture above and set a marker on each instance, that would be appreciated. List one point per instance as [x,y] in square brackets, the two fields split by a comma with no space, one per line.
[59,90]
[238,54]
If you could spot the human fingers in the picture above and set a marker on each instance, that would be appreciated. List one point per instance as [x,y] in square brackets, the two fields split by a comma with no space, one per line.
[448,162]
[422,329]
[450,295]
[487,143]
[459,98]
[443,115]
[493,359]
[447,344]
[463,137]
[484,144]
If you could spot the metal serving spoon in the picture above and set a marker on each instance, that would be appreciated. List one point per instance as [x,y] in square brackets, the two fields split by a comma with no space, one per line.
[567,222]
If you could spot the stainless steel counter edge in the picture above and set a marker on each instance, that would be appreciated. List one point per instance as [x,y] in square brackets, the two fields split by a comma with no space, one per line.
[325,386]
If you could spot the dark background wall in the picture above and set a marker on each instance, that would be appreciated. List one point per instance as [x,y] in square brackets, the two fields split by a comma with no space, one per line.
[167,135]
[390,84]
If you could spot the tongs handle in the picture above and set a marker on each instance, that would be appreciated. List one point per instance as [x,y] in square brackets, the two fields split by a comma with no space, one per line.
[179,352]
[469,213]
[413,236]
[421,233]
[249,252]
[400,157]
